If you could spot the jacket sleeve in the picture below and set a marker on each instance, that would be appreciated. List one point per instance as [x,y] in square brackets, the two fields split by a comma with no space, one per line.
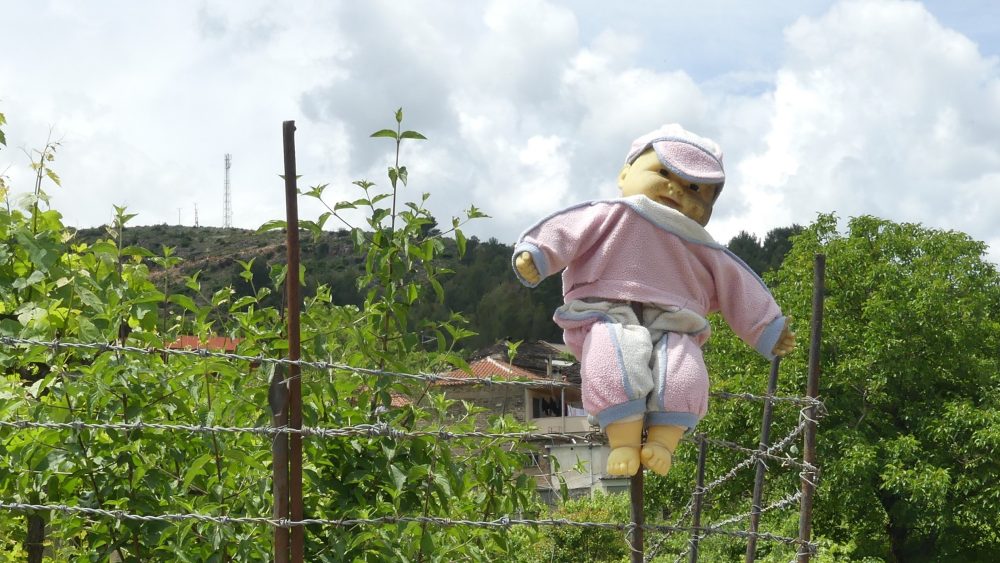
[557,240]
[746,304]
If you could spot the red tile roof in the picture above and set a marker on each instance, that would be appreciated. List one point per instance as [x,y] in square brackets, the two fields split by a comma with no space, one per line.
[214,343]
[489,367]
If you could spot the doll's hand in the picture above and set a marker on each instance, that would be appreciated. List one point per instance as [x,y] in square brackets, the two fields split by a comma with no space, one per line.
[526,267]
[786,342]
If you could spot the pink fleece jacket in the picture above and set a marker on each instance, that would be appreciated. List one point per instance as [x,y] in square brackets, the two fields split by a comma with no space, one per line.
[634,249]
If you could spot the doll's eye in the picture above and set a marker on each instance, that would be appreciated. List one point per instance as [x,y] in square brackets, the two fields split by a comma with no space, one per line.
[694,187]
[664,173]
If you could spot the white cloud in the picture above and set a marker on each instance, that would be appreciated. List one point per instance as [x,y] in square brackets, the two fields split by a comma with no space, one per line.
[854,107]
[865,119]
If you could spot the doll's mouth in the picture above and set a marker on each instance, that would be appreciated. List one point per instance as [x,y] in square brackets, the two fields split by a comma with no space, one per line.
[668,202]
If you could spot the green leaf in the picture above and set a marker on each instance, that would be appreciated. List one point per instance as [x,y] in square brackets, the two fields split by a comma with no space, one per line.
[35,277]
[399,115]
[460,240]
[136,251]
[323,218]
[398,477]
[221,296]
[53,176]
[195,469]
[316,191]
[272,225]
[184,301]
[242,302]
[438,290]
[412,135]
[384,133]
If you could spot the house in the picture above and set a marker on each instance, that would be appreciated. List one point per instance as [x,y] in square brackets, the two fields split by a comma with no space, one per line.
[551,410]
[212,344]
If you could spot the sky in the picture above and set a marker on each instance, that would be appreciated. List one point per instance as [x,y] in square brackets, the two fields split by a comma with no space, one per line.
[882,107]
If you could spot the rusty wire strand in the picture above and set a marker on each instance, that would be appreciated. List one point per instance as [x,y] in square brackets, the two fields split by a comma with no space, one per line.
[328,366]
[504,522]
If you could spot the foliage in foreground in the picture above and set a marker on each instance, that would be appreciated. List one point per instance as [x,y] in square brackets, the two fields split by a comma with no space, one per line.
[52,287]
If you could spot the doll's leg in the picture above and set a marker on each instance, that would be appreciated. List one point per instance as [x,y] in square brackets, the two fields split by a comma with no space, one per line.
[614,368]
[658,451]
[616,382]
[679,400]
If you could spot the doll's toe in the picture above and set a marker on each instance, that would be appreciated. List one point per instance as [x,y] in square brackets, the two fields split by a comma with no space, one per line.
[656,458]
[623,461]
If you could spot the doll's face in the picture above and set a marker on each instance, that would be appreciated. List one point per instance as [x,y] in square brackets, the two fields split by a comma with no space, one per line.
[647,176]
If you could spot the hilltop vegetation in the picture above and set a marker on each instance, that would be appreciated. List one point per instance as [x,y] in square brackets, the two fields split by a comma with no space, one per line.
[482,287]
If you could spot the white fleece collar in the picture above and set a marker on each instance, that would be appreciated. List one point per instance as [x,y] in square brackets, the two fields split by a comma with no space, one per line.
[669,219]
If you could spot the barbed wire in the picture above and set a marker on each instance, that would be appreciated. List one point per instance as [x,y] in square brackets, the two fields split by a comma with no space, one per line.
[807,401]
[57,344]
[319,365]
[755,456]
[381,429]
[783,503]
[385,430]
[503,522]
[806,548]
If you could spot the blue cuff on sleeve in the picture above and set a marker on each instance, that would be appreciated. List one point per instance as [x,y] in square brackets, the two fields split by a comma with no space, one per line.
[541,264]
[768,338]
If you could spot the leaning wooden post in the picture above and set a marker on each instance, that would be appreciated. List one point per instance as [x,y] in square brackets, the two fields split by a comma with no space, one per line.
[809,476]
[638,519]
[295,509]
[699,497]
[765,438]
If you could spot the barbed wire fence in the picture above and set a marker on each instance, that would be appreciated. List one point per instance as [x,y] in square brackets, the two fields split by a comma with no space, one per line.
[770,453]
[289,521]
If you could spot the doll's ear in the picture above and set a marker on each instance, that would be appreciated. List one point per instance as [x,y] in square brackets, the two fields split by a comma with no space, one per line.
[623,174]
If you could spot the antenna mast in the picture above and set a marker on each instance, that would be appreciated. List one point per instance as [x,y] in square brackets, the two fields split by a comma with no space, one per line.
[227,207]
[196,215]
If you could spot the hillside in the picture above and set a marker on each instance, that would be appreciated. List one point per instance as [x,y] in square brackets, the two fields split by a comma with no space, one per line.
[482,286]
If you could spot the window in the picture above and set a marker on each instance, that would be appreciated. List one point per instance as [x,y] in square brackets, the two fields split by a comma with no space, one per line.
[545,406]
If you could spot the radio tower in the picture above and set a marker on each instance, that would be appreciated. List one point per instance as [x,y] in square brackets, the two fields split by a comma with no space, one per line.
[227,207]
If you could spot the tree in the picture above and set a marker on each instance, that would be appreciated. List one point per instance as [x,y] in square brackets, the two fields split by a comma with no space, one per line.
[767,256]
[910,379]
[747,247]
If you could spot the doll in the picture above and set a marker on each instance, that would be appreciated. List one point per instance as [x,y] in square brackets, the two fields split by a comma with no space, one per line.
[640,273]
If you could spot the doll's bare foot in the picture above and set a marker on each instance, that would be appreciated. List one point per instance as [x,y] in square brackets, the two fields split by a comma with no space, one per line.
[658,451]
[623,461]
[657,458]
[624,439]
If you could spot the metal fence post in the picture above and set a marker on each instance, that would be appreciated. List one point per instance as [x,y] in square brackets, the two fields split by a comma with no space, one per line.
[758,484]
[278,400]
[812,391]
[699,497]
[297,535]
